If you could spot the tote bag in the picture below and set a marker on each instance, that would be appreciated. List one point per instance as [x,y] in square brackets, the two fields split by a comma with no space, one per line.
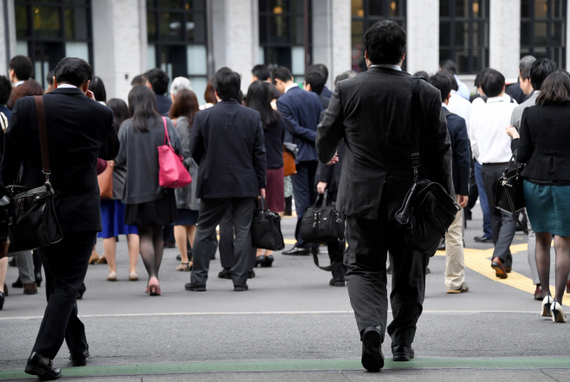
[171,170]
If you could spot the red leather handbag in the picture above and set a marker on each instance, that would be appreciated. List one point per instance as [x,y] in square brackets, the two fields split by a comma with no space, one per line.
[171,173]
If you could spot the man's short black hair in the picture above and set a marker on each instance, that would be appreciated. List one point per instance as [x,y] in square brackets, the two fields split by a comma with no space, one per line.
[385,43]
[23,67]
[539,70]
[49,77]
[73,70]
[524,66]
[5,90]
[319,68]
[139,79]
[227,83]
[449,65]
[317,81]
[159,80]
[283,74]
[493,83]
[442,83]
[261,72]
[479,77]
[451,76]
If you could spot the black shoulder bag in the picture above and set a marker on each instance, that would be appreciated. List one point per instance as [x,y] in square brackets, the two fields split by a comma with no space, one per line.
[509,195]
[266,228]
[428,210]
[34,224]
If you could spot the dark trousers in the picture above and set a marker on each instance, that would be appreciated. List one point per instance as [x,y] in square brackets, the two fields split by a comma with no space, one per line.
[335,249]
[212,212]
[485,202]
[503,224]
[65,265]
[305,193]
[226,245]
[368,244]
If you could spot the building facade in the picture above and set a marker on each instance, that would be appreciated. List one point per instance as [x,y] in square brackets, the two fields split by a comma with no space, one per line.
[194,38]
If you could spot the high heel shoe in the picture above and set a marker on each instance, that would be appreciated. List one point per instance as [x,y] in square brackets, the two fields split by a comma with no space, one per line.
[153,287]
[1,300]
[133,276]
[184,267]
[102,260]
[557,312]
[112,276]
[546,305]
[260,261]
[94,257]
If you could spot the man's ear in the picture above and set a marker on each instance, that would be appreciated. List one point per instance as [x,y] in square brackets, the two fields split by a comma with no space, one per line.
[85,86]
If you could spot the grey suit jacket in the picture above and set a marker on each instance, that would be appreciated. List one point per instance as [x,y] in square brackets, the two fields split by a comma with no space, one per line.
[372,112]
[518,111]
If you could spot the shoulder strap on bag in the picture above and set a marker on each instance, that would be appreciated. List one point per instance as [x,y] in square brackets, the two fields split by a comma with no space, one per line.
[416,112]
[43,135]
[166,137]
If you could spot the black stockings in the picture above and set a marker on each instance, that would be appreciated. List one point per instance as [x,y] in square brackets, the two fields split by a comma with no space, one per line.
[562,262]
[151,247]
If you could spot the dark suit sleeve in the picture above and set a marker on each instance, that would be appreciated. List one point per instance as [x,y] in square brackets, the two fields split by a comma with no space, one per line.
[292,125]
[525,145]
[197,140]
[121,158]
[259,156]
[462,158]
[13,145]
[331,130]
[111,140]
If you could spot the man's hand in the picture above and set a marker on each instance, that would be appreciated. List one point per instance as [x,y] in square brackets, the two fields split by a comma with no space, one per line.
[512,132]
[262,192]
[321,187]
[4,248]
[90,94]
[463,199]
[333,160]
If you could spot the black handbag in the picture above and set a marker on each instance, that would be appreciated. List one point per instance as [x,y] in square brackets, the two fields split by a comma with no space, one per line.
[34,224]
[266,228]
[428,210]
[321,222]
[509,195]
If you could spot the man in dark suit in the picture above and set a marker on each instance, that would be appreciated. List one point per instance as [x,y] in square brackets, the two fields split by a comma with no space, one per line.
[228,145]
[158,82]
[300,110]
[454,264]
[79,131]
[372,112]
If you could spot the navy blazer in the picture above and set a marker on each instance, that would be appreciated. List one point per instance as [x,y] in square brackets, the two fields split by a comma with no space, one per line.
[227,144]
[79,131]
[163,104]
[301,111]
[461,164]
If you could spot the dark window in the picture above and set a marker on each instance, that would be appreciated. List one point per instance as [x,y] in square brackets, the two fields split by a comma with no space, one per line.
[364,14]
[464,34]
[282,34]
[543,29]
[48,31]
[177,40]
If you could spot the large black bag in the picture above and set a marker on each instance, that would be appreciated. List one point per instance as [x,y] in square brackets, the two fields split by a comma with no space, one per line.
[428,210]
[34,224]
[321,222]
[509,195]
[266,228]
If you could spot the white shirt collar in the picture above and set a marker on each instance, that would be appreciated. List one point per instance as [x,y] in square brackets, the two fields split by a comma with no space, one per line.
[387,66]
[290,87]
[66,86]
[19,83]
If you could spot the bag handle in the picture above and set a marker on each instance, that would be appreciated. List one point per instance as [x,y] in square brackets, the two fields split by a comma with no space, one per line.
[166,133]
[43,136]
[263,204]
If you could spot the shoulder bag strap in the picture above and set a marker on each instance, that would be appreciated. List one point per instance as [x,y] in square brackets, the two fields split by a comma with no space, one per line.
[416,113]
[166,137]
[43,135]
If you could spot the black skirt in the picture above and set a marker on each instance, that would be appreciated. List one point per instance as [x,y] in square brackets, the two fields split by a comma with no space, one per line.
[156,213]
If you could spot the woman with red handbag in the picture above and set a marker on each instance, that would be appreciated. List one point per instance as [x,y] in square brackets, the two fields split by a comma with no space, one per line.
[149,206]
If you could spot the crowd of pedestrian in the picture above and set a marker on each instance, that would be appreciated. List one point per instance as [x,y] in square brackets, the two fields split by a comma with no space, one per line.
[353,143]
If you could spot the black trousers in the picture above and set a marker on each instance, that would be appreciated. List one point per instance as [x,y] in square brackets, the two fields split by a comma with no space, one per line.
[305,194]
[365,258]
[335,249]
[212,212]
[226,245]
[65,265]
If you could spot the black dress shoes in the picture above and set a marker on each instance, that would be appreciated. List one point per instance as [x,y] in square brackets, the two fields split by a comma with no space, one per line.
[225,273]
[297,251]
[268,261]
[39,279]
[241,288]
[1,300]
[42,367]
[250,274]
[80,359]
[195,287]
[372,358]
[17,283]
[482,239]
[402,353]
[337,282]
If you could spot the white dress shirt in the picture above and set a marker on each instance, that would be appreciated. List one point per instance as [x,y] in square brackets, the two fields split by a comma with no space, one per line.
[488,122]
[290,86]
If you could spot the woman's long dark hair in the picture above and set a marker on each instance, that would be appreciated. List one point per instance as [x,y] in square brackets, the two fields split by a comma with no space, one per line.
[142,106]
[98,88]
[258,98]
[555,89]
[210,93]
[185,105]
[120,110]
[28,88]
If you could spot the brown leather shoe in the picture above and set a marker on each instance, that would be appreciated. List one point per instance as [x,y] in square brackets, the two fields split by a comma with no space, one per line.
[497,265]
[538,293]
[94,257]
[30,288]
[508,269]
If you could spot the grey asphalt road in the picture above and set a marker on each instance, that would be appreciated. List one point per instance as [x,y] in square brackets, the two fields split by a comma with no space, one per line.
[292,326]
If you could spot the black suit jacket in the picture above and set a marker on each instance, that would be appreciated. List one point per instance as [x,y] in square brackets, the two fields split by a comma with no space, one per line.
[544,142]
[227,144]
[461,153]
[79,131]
[372,112]
[163,104]
[301,111]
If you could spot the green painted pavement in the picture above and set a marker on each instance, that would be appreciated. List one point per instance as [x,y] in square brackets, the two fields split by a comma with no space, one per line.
[302,365]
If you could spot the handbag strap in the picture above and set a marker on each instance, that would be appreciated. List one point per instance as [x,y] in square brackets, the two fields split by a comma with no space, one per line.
[166,137]
[417,114]
[43,135]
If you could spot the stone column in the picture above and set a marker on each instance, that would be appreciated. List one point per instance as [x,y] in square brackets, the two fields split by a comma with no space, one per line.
[567,36]
[7,34]
[505,36]
[119,43]
[423,36]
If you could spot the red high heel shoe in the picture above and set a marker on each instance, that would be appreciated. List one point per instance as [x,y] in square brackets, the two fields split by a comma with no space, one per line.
[153,287]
